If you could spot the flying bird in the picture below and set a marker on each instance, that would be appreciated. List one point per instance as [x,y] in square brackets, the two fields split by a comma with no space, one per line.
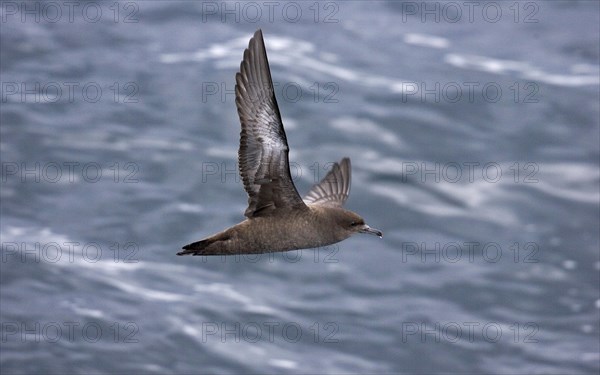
[277,218]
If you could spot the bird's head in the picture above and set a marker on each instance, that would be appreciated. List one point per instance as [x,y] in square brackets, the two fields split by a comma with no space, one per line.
[353,223]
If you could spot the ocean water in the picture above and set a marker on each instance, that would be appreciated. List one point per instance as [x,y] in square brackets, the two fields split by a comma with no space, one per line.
[473,131]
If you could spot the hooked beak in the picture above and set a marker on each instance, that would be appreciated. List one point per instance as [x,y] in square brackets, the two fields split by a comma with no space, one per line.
[369,230]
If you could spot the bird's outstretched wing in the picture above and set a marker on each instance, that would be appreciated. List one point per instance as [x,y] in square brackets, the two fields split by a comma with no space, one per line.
[334,188]
[263,154]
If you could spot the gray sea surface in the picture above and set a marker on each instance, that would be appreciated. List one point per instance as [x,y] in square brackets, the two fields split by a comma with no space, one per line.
[473,129]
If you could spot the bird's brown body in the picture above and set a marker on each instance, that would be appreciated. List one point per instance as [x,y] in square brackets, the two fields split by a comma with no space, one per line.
[278,219]
[315,226]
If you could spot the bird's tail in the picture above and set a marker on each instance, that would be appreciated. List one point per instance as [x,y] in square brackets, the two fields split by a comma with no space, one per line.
[204,247]
[196,248]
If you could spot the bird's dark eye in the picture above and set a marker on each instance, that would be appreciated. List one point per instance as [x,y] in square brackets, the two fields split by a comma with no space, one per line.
[354,223]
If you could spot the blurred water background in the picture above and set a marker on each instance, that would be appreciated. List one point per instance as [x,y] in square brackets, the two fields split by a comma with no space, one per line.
[474,136]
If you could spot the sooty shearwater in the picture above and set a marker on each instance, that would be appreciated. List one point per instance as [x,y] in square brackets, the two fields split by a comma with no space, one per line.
[278,219]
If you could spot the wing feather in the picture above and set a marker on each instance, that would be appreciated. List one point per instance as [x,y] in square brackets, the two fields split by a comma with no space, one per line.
[334,188]
[263,153]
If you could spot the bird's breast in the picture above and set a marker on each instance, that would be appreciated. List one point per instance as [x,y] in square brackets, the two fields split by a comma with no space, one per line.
[297,230]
